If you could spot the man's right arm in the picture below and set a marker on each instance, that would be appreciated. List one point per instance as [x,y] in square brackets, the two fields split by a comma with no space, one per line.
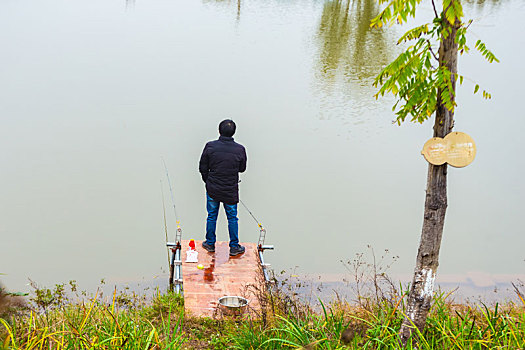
[204,164]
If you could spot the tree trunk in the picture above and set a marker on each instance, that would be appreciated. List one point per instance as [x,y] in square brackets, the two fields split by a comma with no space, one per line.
[422,287]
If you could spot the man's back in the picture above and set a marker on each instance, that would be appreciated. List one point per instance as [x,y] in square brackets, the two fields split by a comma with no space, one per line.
[221,162]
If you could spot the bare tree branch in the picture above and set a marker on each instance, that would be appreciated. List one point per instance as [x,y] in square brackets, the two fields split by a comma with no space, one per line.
[435,11]
[432,51]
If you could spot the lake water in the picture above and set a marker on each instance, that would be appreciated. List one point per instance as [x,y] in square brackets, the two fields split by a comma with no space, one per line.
[94,93]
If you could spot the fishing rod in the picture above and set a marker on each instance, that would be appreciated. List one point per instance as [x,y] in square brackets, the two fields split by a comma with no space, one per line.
[165,223]
[261,247]
[249,211]
[175,262]
[262,230]
[171,193]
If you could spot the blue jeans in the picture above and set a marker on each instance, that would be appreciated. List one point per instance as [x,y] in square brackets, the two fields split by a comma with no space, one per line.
[233,222]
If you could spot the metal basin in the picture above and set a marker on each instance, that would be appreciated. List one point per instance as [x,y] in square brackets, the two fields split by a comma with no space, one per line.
[233,305]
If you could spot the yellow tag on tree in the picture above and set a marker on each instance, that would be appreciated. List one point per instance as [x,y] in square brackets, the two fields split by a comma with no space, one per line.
[457,149]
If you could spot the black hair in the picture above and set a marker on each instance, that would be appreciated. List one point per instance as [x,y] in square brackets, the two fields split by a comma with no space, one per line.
[227,128]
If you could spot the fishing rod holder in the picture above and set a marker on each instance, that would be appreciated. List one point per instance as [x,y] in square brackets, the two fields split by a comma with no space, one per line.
[175,266]
[175,262]
[262,235]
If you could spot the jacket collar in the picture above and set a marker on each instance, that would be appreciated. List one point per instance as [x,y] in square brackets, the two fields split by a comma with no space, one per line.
[225,138]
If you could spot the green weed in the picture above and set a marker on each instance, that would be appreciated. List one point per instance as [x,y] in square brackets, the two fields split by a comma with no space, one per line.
[125,321]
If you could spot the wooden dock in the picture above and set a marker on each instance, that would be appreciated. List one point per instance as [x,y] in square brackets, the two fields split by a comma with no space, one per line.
[222,275]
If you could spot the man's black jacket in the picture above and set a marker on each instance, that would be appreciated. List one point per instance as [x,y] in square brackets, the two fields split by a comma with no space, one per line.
[221,162]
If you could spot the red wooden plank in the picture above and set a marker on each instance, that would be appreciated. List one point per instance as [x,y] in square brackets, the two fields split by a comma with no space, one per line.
[222,275]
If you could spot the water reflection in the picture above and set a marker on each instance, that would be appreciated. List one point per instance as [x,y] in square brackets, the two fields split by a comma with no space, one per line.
[229,3]
[481,4]
[480,9]
[208,271]
[238,10]
[130,4]
[348,42]
[350,55]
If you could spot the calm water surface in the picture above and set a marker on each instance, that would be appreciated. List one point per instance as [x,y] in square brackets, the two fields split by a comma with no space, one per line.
[94,93]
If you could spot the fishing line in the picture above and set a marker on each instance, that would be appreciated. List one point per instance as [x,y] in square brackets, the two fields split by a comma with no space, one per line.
[262,237]
[171,192]
[249,211]
[165,223]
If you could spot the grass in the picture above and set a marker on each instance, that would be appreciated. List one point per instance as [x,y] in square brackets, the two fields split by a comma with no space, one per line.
[96,325]
[128,321]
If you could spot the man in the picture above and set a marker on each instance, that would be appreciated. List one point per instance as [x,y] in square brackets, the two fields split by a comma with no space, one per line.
[221,162]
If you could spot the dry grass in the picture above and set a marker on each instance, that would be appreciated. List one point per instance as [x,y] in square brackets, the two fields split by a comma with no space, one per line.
[126,320]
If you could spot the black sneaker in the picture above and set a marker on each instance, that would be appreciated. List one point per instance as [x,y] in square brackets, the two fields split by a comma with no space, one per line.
[210,248]
[237,250]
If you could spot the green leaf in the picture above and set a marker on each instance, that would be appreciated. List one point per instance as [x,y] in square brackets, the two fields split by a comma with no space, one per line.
[489,56]
[417,85]
[396,10]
